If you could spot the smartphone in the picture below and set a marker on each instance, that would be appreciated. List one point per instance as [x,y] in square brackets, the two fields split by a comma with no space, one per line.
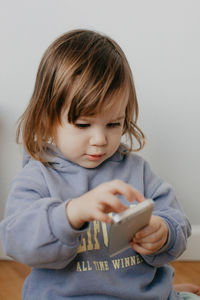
[126,224]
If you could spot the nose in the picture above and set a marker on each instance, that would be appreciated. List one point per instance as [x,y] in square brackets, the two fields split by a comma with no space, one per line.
[98,137]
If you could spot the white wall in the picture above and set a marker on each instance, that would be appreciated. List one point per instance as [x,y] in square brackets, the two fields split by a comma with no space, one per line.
[162,42]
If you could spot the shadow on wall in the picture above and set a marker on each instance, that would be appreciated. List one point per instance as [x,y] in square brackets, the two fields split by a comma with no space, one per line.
[2,178]
[10,156]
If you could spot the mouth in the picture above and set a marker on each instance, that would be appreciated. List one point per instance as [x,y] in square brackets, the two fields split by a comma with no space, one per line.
[94,157]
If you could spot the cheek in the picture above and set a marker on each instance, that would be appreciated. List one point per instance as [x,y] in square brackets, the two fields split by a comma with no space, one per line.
[64,139]
[76,141]
[116,136]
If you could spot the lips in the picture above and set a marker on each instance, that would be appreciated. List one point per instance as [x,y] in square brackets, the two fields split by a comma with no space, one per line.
[94,156]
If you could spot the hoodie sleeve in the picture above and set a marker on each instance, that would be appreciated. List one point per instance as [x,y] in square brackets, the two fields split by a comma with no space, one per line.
[35,230]
[167,207]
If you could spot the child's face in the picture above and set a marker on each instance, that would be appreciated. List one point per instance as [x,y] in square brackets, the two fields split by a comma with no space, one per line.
[93,139]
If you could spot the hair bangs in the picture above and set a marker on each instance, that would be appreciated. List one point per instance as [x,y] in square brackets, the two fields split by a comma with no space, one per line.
[96,84]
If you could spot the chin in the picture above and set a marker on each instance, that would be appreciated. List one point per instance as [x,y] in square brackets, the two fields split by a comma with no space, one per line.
[91,164]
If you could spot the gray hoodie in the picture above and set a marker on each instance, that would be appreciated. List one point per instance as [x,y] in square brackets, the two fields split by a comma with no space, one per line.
[74,264]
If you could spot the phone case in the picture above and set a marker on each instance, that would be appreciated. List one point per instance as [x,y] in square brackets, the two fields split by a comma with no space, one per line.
[126,224]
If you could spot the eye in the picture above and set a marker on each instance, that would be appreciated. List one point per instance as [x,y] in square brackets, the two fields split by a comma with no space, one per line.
[82,125]
[113,125]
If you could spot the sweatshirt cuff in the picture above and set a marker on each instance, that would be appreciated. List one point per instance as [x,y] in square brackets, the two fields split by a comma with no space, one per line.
[61,227]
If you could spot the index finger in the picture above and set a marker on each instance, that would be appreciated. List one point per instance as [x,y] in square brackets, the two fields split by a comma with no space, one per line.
[125,189]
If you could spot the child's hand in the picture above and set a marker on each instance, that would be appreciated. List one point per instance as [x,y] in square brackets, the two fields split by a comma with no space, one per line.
[97,203]
[151,238]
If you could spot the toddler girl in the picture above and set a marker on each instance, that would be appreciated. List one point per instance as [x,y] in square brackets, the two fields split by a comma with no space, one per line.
[76,171]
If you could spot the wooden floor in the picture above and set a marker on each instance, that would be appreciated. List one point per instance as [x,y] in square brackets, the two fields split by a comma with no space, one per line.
[12,275]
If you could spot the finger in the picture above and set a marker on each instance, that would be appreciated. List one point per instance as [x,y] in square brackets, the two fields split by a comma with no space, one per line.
[102,217]
[122,188]
[149,247]
[148,232]
[153,238]
[154,225]
[112,204]
[152,242]
[138,248]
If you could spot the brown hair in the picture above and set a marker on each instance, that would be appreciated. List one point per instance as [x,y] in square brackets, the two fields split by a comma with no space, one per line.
[78,71]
